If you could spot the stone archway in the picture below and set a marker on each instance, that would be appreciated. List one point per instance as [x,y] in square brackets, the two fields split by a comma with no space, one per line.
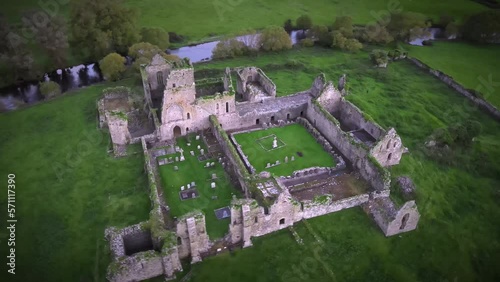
[177,131]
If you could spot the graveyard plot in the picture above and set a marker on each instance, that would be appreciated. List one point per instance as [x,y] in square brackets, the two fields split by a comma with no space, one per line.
[295,149]
[199,182]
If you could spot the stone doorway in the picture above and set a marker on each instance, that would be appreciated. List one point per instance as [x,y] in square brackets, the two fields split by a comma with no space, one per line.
[177,131]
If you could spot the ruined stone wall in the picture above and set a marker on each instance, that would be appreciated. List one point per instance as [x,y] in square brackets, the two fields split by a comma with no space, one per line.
[469,94]
[152,74]
[191,230]
[389,149]
[356,153]
[330,97]
[355,118]
[324,205]
[118,128]
[391,219]
[253,74]
[251,220]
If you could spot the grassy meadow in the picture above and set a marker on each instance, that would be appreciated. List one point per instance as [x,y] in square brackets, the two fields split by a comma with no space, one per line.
[68,189]
[296,140]
[474,66]
[193,170]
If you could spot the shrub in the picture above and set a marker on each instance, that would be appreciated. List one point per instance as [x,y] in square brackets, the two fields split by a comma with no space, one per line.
[50,89]
[321,34]
[143,49]
[379,57]
[156,36]
[303,22]
[229,48]
[307,42]
[275,38]
[377,34]
[451,30]
[406,26]
[344,26]
[483,27]
[288,26]
[351,44]
[112,66]
[175,38]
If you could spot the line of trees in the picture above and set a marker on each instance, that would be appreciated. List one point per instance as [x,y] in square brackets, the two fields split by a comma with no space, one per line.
[94,30]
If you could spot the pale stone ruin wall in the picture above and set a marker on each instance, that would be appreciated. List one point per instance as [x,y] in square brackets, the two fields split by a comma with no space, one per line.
[353,117]
[192,234]
[469,94]
[389,150]
[314,208]
[390,219]
[248,75]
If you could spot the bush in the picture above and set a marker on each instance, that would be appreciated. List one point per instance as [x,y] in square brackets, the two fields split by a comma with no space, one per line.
[483,27]
[112,66]
[303,22]
[229,48]
[143,49]
[156,36]
[307,42]
[451,30]
[50,89]
[288,26]
[344,26]
[377,34]
[175,38]
[406,26]
[321,34]
[379,57]
[275,38]
[351,44]
[294,64]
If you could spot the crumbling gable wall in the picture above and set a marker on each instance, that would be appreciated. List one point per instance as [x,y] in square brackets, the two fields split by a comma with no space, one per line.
[389,149]
[354,118]
[248,219]
[393,220]
[157,72]
[192,236]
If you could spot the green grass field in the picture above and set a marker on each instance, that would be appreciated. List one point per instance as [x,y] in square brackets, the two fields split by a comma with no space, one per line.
[292,140]
[474,66]
[68,189]
[193,170]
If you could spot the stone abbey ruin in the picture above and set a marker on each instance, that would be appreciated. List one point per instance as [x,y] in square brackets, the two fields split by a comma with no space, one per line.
[210,111]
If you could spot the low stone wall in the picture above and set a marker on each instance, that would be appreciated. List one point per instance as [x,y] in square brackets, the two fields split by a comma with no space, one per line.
[324,205]
[469,94]
[354,117]
[247,163]
[237,165]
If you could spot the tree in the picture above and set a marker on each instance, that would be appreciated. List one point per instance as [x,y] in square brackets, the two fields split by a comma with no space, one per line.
[288,26]
[228,48]
[156,36]
[379,57]
[4,31]
[112,66]
[303,22]
[407,26]
[343,43]
[344,26]
[101,27]
[50,89]
[377,34]
[306,42]
[143,52]
[50,35]
[275,38]
[483,27]
[321,34]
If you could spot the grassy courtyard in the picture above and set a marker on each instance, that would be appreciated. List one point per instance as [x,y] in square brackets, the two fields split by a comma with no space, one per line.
[474,66]
[68,189]
[194,170]
[292,140]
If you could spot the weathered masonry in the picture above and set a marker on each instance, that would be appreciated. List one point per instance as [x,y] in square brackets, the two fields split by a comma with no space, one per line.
[175,104]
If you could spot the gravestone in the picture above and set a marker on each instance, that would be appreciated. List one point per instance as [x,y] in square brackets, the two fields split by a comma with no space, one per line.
[275,143]
[213,164]
[189,144]
[202,151]
[182,158]
[176,168]
[193,184]
[286,159]
[212,185]
[277,162]
[176,159]
[189,186]
[293,158]
[268,165]
[214,176]
[199,147]
[192,153]
[198,138]
[182,188]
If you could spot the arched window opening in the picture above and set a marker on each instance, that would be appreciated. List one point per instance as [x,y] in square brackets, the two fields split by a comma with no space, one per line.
[282,221]
[404,221]
[159,78]
[188,116]
[227,107]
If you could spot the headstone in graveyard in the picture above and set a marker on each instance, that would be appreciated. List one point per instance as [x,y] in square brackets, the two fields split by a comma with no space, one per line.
[176,168]
[212,185]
